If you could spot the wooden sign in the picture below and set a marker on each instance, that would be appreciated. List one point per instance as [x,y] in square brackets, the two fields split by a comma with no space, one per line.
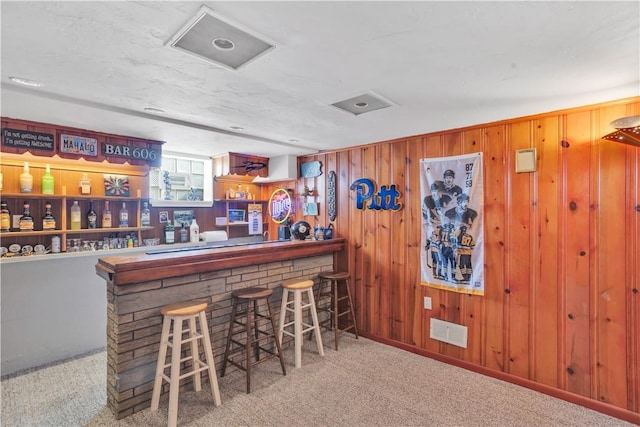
[27,140]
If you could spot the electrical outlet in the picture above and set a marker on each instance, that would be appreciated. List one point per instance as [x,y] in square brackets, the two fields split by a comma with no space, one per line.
[427,303]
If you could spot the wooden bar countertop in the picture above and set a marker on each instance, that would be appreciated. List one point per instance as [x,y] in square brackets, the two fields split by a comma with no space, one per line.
[164,262]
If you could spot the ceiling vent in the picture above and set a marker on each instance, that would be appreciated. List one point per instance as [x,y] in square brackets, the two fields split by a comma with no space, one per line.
[218,40]
[364,103]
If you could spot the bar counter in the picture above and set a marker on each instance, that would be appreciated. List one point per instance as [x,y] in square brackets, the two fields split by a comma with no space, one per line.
[139,284]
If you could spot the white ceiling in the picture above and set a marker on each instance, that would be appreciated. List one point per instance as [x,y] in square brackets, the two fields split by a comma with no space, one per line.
[443,64]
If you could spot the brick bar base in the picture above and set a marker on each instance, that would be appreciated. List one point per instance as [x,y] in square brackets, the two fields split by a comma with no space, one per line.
[134,322]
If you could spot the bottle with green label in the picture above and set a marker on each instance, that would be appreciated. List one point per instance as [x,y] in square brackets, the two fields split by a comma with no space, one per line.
[169,233]
[48,181]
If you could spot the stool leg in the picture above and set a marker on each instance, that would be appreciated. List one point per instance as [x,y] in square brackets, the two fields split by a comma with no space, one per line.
[174,385]
[334,301]
[232,319]
[353,313]
[275,336]
[195,354]
[249,345]
[208,353]
[316,324]
[162,359]
[283,313]
[297,324]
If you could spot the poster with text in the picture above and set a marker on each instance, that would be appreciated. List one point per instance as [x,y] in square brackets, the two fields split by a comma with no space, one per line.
[452,239]
[255,218]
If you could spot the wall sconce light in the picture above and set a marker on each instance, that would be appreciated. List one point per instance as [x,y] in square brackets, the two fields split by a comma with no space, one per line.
[526,160]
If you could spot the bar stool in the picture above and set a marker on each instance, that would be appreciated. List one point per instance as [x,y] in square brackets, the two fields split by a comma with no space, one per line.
[178,313]
[298,287]
[334,279]
[245,305]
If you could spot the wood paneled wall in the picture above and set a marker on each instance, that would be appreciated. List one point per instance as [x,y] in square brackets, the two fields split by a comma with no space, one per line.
[561,310]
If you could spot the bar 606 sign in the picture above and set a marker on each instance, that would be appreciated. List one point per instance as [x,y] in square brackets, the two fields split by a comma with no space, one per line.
[150,155]
[368,197]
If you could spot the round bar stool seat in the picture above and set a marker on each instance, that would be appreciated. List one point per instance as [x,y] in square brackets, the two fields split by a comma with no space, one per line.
[335,278]
[246,333]
[298,287]
[178,313]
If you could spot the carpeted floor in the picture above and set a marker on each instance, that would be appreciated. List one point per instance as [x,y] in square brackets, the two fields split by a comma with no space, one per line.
[364,384]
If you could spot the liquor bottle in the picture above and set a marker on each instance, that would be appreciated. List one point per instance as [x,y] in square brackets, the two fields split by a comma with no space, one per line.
[194,231]
[106,216]
[26,220]
[85,184]
[92,217]
[26,180]
[48,220]
[169,233]
[5,217]
[76,216]
[124,215]
[145,215]
[184,236]
[48,181]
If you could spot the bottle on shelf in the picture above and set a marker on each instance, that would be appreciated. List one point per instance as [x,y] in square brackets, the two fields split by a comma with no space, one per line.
[26,220]
[106,216]
[85,184]
[124,215]
[76,216]
[48,181]
[230,193]
[145,215]
[5,217]
[184,235]
[48,220]
[26,179]
[194,231]
[92,217]
[169,233]
[239,192]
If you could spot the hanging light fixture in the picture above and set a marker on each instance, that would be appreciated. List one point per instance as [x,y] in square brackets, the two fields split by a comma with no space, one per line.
[628,130]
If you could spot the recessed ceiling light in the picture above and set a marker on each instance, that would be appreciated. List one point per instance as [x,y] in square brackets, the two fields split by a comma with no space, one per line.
[236,127]
[26,82]
[154,110]
[293,140]
[361,104]
[223,44]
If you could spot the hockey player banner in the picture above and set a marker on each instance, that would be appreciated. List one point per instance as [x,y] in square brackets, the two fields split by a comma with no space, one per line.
[452,253]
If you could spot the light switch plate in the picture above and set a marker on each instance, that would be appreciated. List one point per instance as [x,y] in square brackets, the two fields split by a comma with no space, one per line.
[427,303]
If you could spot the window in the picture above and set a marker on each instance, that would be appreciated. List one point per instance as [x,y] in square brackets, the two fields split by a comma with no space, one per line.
[182,180]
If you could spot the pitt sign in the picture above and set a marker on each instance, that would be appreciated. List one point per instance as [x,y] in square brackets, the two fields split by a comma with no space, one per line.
[368,197]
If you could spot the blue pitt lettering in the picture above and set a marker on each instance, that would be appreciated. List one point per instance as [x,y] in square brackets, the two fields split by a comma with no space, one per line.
[386,198]
[360,185]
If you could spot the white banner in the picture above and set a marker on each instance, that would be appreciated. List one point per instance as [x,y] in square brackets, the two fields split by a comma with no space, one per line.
[451,194]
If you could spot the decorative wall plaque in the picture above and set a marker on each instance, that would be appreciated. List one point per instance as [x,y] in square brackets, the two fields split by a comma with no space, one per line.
[331,196]
[310,169]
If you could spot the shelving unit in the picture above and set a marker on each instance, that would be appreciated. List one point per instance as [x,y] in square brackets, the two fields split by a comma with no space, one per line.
[221,209]
[61,205]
